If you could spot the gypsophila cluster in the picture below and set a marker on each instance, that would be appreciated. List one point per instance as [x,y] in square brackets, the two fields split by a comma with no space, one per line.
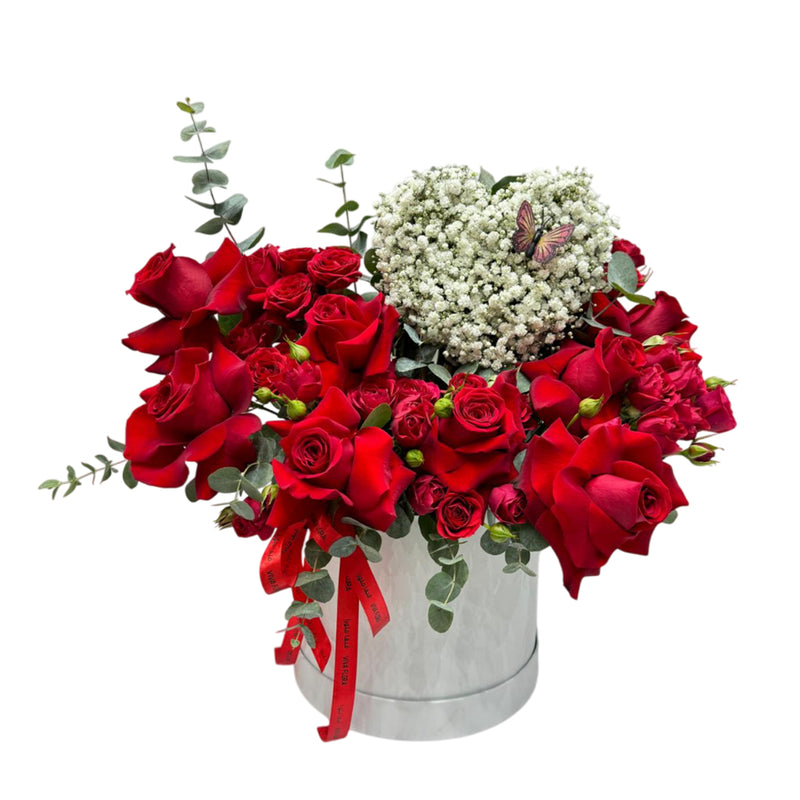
[445,260]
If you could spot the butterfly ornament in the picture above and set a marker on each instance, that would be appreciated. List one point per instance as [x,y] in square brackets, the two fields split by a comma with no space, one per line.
[542,245]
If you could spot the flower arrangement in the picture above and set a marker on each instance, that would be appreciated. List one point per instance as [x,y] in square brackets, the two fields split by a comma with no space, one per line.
[502,381]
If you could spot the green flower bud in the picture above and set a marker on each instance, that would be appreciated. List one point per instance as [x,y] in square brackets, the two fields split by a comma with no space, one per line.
[590,406]
[298,352]
[264,395]
[270,493]
[443,407]
[654,341]
[500,533]
[414,458]
[296,409]
[700,453]
[714,381]
[225,518]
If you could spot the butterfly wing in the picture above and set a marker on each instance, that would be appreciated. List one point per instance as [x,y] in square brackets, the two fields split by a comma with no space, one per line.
[526,228]
[550,242]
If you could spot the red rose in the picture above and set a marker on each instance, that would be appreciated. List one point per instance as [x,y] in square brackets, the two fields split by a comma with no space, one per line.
[350,338]
[412,423]
[256,527]
[666,316]
[715,407]
[591,497]
[328,457]
[288,297]
[295,260]
[415,389]
[249,275]
[251,333]
[477,445]
[371,393]
[459,515]
[508,504]
[462,379]
[266,365]
[425,494]
[175,286]
[335,268]
[299,382]
[196,414]
[164,337]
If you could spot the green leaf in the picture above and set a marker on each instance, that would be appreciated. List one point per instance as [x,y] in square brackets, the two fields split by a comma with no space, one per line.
[241,509]
[519,458]
[402,522]
[71,472]
[311,640]
[185,107]
[412,334]
[189,130]
[440,618]
[251,241]
[427,526]
[439,547]
[378,417]
[50,483]
[335,228]
[337,185]
[227,322]
[316,585]
[303,610]
[427,353]
[190,490]
[367,296]
[343,547]
[127,476]
[198,107]
[468,368]
[315,555]
[192,159]
[515,567]
[406,365]
[350,205]
[523,383]
[442,588]
[487,179]
[503,182]
[440,372]
[668,520]
[622,272]
[214,225]
[251,491]
[91,469]
[205,180]
[360,244]
[634,298]
[230,209]
[457,569]
[372,555]
[115,445]
[225,479]
[100,457]
[371,260]
[218,150]
[490,546]
[357,228]
[339,158]
[72,487]
[530,538]
[515,555]
[199,203]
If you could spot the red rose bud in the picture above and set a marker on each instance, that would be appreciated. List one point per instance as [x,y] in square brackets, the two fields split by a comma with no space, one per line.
[414,458]
[500,533]
[443,407]
[297,351]
[700,453]
[296,409]
[590,407]
[225,518]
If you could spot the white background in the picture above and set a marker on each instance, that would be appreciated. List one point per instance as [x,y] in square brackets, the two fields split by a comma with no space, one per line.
[136,640]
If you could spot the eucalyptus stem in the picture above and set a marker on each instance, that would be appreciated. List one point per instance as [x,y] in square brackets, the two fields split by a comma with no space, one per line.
[346,212]
[205,166]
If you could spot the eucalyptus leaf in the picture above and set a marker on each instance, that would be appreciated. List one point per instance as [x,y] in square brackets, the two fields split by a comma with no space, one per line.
[622,272]
[518,459]
[243,510]
[469,369]
[367,296]
[251,241]
[225,479]
[185,107]
[127,476]
[316,585]
[227,322]
[523,383]
[457,569]
[372,555]
[406,365]
[442,588]
[530,538]
[514,556]
[339,158]
[402,522]
[360,244]
[371,260]
[303,610]
[335,228]
[440,372]
[210,206]
[412,334]
[358,227]
[503,182]
[315,555]
[115,445]
[214,225]
[218,150]
[197,108]
[343,547]
[427,527]
[515,567]
[51,483]
[350,205]
[492,547]
[641,299]
[190,490]
[192,159]
[230,209]
[311,640]
[487,179]
[378,417]
[207,179]
[251,491]
[440,618]
[671,517]
[337,185]
[370,538]
[442,548]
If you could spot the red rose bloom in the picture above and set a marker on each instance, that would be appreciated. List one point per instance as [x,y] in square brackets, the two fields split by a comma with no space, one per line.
[176,286]
[266,365]
[288,297]
[350,338]
[459,515]
[415,389]
[299,382]
[295,260]
[425,494]
[591,497]
[412,423]
[251,333]
[329,457]
[256,527]
[508,504]
[335,268]
[462,379]
[371,393]
[196,414]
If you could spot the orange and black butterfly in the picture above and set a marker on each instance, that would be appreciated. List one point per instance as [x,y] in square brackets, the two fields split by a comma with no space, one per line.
[540,244]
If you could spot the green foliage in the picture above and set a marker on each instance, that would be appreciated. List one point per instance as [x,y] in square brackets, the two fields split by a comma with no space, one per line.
[503,182]
[343,547]
[316,584]
[402,523]
[446,585]
[339,159]
[103,470]
[379,417]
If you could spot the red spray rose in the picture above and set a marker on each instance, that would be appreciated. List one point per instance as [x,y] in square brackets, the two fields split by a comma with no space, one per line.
[508,504]
[413,423]
[371,393]
[196,414]
[591,497]
[415,389]
[295,260]
[256,527]
[329,457]
[335,268]
[267,365]
[459,514]
[425,494]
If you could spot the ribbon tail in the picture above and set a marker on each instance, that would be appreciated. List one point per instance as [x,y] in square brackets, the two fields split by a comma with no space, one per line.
[345,657]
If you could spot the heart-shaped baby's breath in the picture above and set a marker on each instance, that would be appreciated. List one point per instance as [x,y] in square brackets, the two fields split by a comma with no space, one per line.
[445,259]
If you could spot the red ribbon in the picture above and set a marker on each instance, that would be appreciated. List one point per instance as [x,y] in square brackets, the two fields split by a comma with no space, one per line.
[280,565]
